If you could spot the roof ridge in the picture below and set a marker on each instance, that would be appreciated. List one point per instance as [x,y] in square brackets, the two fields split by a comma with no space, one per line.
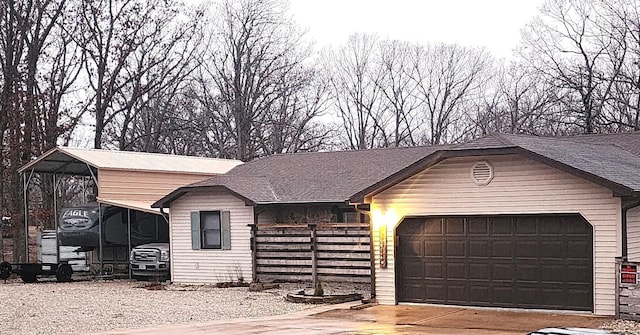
[63,148]
[502,139]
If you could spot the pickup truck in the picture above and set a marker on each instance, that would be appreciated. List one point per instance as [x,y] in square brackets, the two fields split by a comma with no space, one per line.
[150,261]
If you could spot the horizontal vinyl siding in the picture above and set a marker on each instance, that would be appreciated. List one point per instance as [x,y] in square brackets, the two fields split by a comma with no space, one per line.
[141,185]
[519,186]
[207,266]
[633,234]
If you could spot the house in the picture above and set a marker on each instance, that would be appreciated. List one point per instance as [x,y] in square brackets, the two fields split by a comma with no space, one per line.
[502,221]
[211,221]
[509,221]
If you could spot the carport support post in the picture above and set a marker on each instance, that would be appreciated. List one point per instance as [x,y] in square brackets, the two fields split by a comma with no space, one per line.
[100,237]
[55,216]
[314,256]
[129,236]
[25,188]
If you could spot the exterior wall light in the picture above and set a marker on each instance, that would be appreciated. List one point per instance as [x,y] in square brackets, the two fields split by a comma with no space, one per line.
[381,222]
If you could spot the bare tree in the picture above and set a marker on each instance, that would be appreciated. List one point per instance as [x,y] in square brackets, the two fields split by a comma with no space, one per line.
[157,69]
[355,78]
[518,100]
[623,17]
[570,44]
[251,77]
[448,79]
[110,33]
[399,91]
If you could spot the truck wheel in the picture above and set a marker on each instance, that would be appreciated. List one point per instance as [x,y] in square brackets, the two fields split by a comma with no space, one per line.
[5,270]
[64,273]
[28,277]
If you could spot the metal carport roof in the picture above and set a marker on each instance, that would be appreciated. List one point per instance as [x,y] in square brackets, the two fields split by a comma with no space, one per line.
[89,162]
[75,161]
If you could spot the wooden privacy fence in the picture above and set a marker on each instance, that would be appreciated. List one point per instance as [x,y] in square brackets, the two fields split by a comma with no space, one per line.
[338,252]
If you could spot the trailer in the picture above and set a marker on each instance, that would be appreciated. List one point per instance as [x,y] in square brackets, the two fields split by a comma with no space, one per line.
[29,272]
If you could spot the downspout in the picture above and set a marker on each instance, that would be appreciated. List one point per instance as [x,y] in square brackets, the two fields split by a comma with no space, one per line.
[625,208]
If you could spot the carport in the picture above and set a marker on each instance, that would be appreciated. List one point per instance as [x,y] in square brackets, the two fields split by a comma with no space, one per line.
[127,180]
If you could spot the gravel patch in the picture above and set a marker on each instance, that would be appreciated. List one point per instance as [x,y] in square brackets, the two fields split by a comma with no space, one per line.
[94,306]
[623,326]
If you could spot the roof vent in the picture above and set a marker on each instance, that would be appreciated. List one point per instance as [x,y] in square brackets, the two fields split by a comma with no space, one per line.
[482,173]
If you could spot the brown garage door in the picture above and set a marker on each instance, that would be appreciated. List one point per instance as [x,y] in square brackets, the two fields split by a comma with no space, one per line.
[543,261]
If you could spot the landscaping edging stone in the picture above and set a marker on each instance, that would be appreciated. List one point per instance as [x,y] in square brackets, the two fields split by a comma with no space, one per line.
[301,297]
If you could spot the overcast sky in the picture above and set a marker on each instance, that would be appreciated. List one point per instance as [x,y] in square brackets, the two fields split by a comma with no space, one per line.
[494,24]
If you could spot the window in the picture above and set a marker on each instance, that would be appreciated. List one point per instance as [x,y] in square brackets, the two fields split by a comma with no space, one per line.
[210,230]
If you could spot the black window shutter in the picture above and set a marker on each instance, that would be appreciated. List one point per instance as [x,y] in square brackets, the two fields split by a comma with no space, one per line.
[225,220]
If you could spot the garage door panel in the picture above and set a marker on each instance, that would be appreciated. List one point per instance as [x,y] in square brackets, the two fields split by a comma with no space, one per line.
[480,293]
[416,290]
[529,296]
[456,293]
[521,261]
[410,248]
[503,296]
[502,248]
[502,272]
[577,249]
[527,273]
[479,271]
[479,248]
[527,249]
[552,249]
[524,227]
[434,227]
[550,226]
[413,226]
[550,272]
[434,270]
[436,292]
[478,226]
[413,269]
[501,226]
[456,270]
[455,248]
[455,226]
[434,248]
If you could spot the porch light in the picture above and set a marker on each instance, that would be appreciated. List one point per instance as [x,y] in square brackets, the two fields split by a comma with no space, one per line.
[381,222]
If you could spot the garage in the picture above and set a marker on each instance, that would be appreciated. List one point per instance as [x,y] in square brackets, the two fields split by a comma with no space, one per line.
[516,261]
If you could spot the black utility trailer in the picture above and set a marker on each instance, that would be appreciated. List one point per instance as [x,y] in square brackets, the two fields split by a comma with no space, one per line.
[29,272]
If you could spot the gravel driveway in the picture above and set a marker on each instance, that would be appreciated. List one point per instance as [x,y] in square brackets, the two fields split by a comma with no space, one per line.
[92,306]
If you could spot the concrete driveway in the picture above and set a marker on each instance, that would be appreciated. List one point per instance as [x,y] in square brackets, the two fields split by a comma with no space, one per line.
[340,319]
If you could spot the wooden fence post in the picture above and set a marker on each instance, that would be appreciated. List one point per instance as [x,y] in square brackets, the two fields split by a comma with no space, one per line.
[617,300]
[314,255]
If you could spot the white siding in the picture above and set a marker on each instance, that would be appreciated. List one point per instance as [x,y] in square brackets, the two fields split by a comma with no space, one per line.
[633,234]
[519,186]
[142,185]
[206,265]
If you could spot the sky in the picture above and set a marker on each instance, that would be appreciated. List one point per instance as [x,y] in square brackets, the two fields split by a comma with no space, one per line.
[493,24]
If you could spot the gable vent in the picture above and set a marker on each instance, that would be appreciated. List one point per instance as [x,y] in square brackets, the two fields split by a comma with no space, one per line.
[482,173]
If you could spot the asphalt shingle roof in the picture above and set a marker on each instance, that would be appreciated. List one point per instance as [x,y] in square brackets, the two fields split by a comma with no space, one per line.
[338,176]
[311,177]
[604,156]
